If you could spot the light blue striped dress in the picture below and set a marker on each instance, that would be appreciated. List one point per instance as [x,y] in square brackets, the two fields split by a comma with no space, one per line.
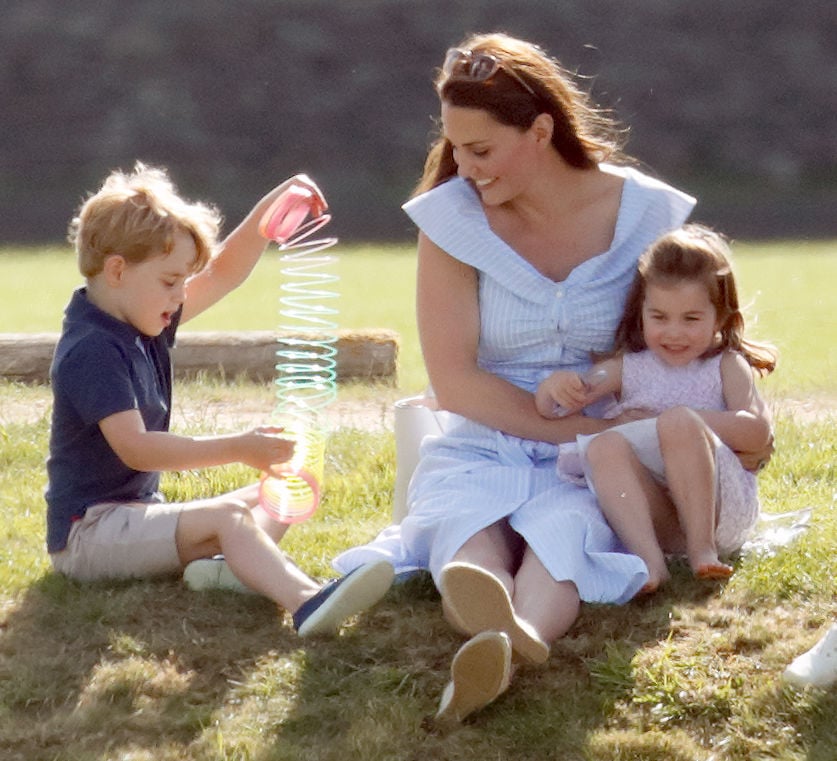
[474,476]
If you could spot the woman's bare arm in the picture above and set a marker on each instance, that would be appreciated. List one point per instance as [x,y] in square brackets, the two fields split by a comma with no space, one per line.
[449,328]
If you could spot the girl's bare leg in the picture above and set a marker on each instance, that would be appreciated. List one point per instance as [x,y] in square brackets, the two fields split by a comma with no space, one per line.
[622,487]
[689,455]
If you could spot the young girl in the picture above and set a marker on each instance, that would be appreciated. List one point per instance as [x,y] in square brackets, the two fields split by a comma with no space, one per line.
[672,483]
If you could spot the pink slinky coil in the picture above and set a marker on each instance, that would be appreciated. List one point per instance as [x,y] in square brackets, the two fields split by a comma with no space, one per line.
[283,220]
[289,495]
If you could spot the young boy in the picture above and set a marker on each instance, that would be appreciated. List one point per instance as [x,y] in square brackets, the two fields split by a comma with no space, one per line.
[149,262]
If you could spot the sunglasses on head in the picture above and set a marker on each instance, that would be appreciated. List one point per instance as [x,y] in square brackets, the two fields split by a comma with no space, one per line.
[478,67]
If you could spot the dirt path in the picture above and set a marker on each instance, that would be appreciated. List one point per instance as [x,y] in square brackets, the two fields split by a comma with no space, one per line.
[228,414]
[29,405]
[820,407]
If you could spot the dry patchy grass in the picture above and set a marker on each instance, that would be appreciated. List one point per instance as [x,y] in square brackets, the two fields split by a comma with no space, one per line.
[149,670]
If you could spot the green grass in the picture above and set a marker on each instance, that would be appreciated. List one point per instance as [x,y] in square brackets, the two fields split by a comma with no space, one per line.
[376,288]
[149,670]
[786,285]
[787,288]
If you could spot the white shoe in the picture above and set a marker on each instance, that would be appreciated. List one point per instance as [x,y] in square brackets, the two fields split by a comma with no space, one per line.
[818,666]
[478,601]
[212,573]
[479,674]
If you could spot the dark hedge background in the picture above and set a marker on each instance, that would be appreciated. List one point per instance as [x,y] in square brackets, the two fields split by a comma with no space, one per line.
[735,101]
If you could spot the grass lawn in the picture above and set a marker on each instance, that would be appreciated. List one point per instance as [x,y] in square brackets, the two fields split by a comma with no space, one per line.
[786,285]
[149,670]
[375,287]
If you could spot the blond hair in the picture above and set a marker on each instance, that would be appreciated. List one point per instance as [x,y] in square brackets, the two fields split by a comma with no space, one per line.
[137,215]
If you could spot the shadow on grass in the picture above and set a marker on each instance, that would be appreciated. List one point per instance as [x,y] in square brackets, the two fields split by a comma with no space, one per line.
[370,692]
[150,670]
[821,735]
[89,668]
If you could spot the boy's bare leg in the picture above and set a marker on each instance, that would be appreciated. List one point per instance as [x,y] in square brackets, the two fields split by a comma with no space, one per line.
[622,488]
[689,456]
[249,495]
[229,525]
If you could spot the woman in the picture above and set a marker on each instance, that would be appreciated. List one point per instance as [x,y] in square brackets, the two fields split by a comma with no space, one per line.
[528,242]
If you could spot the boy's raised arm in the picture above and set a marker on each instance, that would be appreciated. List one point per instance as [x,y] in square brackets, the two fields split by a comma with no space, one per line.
[237,255]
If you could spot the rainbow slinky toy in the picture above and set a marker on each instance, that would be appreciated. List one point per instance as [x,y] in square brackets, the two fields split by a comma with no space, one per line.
[306,357]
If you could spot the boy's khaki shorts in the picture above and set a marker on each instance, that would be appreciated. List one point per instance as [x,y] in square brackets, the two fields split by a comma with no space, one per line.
[122,540]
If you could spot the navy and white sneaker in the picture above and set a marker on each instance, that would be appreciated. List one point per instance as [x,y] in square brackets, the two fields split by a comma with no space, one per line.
[340,598]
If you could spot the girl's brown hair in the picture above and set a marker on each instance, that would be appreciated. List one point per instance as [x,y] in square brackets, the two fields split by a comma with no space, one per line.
[583,134]
[698,254]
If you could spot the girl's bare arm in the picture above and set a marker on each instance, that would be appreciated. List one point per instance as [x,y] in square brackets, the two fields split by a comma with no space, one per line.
[746,425]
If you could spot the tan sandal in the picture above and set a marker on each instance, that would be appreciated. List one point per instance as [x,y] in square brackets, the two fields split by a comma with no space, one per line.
[480,673]
[479,602]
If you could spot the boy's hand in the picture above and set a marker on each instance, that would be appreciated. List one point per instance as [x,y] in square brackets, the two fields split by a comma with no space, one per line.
[303,180]
[238,254]
[318,204]
[264,446]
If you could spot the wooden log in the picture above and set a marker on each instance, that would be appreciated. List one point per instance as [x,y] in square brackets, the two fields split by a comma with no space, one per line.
[368,354]
[26,356]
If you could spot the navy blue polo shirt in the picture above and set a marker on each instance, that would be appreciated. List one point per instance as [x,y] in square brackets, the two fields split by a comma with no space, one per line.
[101,366]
